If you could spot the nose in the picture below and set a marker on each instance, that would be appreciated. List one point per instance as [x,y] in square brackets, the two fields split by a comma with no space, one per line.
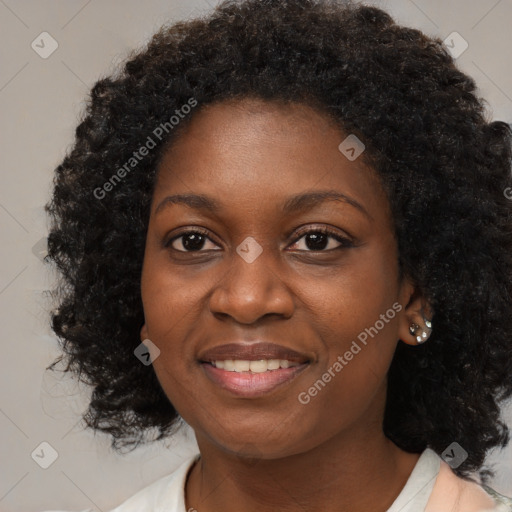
[252,289]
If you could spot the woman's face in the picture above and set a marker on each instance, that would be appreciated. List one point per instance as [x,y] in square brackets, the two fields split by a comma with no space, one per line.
[261,271]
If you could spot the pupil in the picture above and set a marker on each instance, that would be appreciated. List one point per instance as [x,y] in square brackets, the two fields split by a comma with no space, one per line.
[193,241]
[318,241]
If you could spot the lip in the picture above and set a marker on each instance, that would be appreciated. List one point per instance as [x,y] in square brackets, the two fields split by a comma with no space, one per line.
[252,385]
[252,352]
[249,384]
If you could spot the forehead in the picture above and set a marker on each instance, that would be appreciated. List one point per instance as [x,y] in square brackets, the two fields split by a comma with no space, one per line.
[259,152]
[257,119]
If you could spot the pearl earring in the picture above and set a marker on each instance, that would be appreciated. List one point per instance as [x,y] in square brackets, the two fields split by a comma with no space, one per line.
[420,334]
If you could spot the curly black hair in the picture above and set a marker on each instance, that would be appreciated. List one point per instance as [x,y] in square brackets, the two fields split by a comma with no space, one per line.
[441,160]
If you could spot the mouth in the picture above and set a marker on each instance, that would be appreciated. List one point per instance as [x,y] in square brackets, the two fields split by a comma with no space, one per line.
[256,366]
[252,370]
[250,384]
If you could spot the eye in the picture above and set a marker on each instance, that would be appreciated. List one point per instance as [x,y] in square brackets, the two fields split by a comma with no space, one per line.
[192,241]
[317,239]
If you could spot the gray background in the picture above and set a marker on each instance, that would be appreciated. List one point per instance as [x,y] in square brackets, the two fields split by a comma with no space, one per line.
[40,101]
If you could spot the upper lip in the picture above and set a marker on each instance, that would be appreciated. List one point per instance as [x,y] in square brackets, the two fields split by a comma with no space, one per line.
[252,352]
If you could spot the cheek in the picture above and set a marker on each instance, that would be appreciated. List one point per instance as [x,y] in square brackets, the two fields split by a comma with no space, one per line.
[354,297]
[171,305]
[348,388]
[356,315]
[172,301]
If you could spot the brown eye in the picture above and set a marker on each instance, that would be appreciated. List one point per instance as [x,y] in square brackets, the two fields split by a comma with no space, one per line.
[318,239]
[190,241]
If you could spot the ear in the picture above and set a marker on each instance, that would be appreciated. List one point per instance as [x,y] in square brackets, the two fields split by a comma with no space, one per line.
[416,321]
[144,333]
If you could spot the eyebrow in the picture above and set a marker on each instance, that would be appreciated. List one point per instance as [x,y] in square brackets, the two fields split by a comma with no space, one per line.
[297,203]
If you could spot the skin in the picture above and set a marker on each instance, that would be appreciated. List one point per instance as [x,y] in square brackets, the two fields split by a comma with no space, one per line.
[273,451]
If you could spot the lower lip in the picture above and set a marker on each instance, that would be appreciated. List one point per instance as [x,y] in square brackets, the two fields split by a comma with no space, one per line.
[251,385]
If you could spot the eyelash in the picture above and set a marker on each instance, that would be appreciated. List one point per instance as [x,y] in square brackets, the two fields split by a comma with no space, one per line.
[344,241]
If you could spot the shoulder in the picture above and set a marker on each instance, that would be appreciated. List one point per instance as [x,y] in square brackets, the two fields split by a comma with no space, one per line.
[165,494]
[452,492]
[504,503]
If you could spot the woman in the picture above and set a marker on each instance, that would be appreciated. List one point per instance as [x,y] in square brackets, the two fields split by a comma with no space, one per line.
[287,224]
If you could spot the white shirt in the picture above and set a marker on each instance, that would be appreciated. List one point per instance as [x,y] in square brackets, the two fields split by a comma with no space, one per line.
[168,493]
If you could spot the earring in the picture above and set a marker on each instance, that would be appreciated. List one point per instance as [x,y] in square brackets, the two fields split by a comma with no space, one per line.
[420,334]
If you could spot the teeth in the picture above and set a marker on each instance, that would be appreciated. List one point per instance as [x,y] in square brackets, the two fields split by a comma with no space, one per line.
[241,366]
[273,364]
[259,366]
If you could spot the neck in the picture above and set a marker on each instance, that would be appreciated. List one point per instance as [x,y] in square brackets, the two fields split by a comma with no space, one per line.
[355,471]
